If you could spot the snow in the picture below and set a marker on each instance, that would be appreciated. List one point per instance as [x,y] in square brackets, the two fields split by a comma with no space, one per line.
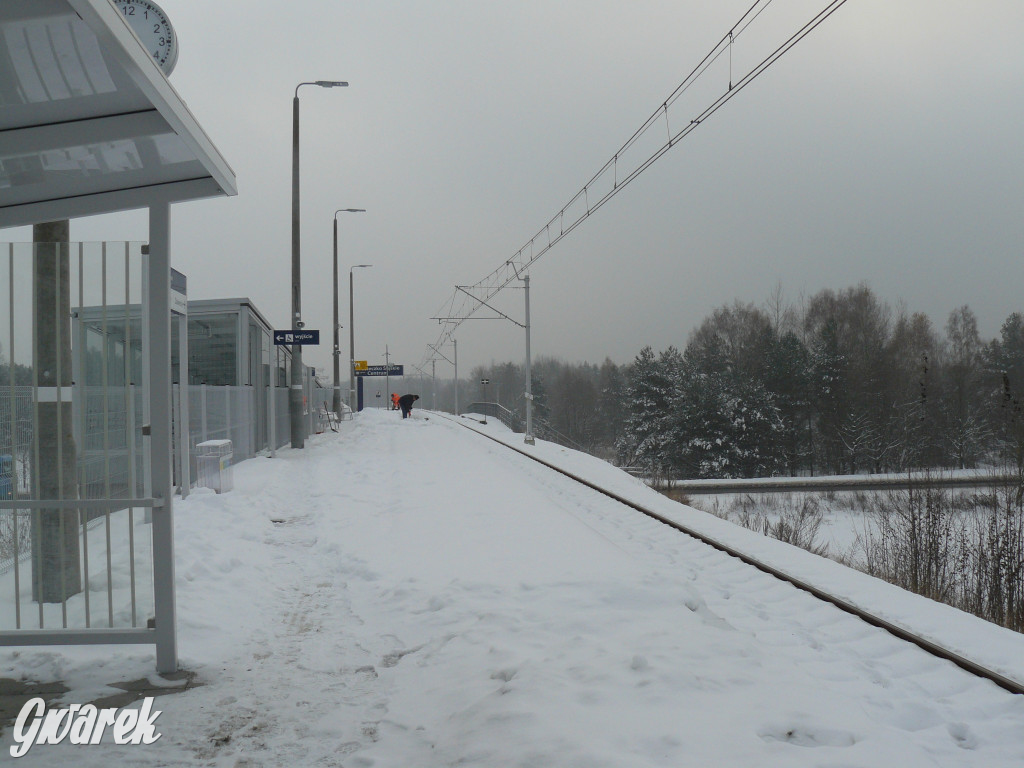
[408,593]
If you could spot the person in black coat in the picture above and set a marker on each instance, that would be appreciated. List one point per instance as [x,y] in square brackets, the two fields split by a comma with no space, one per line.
[405,403]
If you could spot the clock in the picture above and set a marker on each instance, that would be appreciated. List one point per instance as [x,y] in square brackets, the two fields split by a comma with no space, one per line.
[151,25]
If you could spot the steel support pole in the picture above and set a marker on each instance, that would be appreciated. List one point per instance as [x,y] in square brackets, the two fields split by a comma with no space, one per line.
[272,405]
[351,348]
[529,440]
[295,388]
[158,300]
[336,400]
[456,358]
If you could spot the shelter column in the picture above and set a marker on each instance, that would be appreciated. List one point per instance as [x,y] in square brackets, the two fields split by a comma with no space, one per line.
[158,307]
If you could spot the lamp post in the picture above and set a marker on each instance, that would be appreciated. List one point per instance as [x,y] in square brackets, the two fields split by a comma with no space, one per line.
[298,428]
[336,400]
[352,341]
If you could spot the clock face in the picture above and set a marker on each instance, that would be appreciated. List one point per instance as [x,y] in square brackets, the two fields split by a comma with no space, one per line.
[151,25]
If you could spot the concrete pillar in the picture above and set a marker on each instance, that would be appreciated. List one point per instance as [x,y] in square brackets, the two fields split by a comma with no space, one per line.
[56,565]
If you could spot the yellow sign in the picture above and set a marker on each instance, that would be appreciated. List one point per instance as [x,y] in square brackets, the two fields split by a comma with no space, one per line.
[360,365]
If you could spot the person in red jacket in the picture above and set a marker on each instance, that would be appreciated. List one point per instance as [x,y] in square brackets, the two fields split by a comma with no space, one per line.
[394,401]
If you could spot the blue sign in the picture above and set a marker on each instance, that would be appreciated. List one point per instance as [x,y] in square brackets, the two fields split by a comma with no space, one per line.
[382,370]
[301,338]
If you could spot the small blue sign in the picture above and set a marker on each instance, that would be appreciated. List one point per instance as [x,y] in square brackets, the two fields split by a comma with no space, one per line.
[300,337]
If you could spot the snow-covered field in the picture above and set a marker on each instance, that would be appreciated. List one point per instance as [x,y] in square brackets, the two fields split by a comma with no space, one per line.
[407,593]
[842,524]
[846,518]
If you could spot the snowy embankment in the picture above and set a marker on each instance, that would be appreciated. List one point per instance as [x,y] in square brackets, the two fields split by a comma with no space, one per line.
[406,593]
[980,641]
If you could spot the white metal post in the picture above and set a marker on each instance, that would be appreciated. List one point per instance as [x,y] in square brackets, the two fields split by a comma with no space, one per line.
[529,440]
[351,349]
[147,337]
[158,295]
[273,403]
[184,436]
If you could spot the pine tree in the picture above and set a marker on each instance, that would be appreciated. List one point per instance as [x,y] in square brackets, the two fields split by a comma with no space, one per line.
[649,398]
[828,393]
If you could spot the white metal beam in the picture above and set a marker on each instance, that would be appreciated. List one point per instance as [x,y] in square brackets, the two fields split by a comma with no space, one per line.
[80,133]
[116,200]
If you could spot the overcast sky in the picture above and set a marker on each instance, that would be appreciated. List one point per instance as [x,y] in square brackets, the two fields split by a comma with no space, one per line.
[885,148]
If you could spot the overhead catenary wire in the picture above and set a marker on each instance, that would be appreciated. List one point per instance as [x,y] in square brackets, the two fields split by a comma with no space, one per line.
[598,190]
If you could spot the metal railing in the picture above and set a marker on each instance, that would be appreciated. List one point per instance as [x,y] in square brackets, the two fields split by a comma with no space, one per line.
[76,559]
[509,418]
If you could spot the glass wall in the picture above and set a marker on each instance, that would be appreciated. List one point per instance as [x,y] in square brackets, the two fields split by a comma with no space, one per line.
[213,349]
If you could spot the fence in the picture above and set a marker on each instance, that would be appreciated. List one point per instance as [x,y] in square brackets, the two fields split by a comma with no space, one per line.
[77,557]
[116,552]
[71,485]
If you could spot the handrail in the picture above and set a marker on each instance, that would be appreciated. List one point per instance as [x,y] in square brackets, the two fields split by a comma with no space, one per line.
[496,411]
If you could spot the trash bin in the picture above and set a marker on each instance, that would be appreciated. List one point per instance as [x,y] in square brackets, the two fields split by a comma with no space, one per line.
[6,477]
[213,462]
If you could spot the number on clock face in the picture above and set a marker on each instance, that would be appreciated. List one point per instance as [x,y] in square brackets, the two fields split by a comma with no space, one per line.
[151,25]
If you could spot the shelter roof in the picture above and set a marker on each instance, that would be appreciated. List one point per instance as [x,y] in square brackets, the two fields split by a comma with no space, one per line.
[89,123]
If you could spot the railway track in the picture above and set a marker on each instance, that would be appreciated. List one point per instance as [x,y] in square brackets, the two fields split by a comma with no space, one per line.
[1008,684]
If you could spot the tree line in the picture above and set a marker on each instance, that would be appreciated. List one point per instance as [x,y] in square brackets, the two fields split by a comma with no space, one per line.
[840,384]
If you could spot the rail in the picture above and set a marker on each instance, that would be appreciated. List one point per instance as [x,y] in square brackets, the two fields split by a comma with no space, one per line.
[891,482]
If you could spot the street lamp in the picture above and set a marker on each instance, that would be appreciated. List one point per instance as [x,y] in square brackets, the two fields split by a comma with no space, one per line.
[352,341]
[336,400]
[298,428]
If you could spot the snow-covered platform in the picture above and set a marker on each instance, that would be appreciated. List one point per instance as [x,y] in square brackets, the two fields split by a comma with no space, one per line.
[407,593]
